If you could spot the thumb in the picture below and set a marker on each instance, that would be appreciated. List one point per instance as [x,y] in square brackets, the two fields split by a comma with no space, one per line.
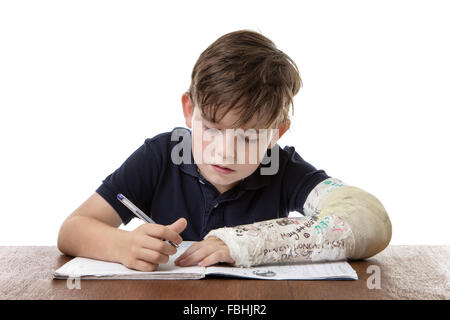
[179,225]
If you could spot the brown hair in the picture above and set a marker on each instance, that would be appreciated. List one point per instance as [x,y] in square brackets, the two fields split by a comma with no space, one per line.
[244,70]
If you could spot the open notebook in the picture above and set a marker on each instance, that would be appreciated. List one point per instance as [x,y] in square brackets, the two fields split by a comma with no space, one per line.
[85,268]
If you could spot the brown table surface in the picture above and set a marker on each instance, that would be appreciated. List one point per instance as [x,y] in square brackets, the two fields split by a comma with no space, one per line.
[407,272]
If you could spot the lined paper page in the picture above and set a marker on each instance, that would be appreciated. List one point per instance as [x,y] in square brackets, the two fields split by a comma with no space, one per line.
[306,271]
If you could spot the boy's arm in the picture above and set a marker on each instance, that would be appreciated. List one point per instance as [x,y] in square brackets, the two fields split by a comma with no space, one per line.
[342,222]
[91,231]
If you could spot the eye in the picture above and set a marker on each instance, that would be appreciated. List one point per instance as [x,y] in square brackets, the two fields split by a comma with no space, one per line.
[248,140]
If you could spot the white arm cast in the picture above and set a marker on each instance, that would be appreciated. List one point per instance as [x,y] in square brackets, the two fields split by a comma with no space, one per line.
[341,222]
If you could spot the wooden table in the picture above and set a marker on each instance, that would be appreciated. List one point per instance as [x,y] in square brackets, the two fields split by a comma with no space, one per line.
[407,272]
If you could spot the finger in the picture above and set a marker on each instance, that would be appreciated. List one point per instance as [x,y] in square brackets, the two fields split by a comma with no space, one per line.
[162,232]
[189,251]
[146,266]
[179,225]
[213,258]
[152,256]
[158,245]
[196,257]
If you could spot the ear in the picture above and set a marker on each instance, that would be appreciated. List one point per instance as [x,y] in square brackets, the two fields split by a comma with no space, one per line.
[188,108]
[282,128]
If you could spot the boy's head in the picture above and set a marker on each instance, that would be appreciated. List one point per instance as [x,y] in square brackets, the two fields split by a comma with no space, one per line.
[241,81]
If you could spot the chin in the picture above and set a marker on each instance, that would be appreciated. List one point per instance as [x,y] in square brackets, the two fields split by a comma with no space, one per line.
[222,180]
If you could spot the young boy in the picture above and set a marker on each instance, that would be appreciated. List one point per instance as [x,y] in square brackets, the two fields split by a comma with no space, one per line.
[227,183]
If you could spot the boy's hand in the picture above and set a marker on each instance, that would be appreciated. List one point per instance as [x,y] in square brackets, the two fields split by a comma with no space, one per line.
[205,253]
[145,247]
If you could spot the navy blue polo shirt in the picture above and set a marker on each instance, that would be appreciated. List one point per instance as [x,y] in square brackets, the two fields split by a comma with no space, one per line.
[167,191]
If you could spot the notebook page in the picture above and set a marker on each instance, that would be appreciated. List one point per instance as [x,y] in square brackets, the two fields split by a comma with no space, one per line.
[86,267]
[304,271]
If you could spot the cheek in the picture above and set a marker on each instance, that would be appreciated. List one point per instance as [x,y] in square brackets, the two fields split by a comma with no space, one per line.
[197,150]
[251,160]
[197,141]
[254,154]
[199,146]
[205,143]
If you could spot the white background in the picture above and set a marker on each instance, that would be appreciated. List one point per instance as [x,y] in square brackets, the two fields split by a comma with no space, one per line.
[83,83]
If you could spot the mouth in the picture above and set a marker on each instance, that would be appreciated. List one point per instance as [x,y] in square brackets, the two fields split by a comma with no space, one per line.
[221,169]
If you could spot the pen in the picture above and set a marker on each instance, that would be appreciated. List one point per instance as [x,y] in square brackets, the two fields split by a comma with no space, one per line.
[138,212]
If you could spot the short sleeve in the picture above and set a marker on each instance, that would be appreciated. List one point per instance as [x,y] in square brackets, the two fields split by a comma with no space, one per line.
[299,180]
[136,179]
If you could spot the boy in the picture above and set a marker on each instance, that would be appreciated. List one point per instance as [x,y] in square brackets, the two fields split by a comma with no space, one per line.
[226,183]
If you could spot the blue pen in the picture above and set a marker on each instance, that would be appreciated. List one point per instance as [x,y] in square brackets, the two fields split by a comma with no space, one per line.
[138,212]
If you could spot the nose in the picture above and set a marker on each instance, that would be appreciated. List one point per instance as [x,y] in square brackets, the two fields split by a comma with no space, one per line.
[226,152]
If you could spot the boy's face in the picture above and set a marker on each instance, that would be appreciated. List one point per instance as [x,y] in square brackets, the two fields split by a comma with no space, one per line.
[223,154]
